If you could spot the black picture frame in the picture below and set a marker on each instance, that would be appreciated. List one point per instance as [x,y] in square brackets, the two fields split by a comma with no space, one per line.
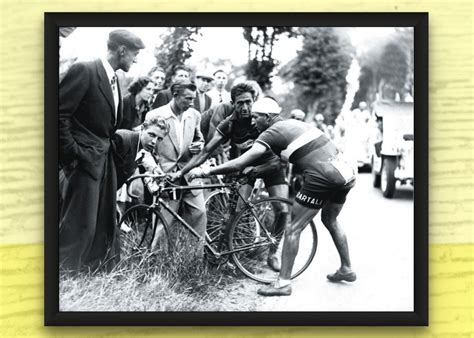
[52,315]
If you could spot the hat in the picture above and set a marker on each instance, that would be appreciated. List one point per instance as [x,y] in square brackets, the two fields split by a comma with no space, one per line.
[297,113]
[266,106]
[126,38]
[205,74]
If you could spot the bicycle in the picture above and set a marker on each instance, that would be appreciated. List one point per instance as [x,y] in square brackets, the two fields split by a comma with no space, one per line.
[247,237]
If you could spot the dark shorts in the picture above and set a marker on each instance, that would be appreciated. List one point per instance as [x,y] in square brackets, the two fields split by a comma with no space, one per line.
[320,187]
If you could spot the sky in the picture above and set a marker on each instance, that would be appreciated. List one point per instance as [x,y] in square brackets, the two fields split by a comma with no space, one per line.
[88,43]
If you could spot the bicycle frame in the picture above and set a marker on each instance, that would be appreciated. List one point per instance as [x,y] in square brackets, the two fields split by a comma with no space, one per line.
[234,189]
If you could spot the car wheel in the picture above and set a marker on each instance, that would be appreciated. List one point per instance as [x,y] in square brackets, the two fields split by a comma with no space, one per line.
[387,177]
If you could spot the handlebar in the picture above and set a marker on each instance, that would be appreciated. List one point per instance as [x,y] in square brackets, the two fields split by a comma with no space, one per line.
[163,183]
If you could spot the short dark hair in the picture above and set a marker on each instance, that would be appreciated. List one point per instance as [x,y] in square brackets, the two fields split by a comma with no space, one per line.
[155,69]
[178,87]
[137,85]
[241,88]
[159,122]
[180,67]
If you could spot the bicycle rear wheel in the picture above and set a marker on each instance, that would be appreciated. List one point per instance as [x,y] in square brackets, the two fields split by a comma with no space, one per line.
[138,226]
[217,208]
[247,234]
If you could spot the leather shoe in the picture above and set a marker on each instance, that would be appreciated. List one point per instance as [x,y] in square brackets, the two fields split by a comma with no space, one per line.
[339,276]
[274,263]
[274,290]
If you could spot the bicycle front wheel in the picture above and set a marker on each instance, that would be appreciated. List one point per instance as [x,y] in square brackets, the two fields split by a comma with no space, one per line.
[139,226]
[255,236]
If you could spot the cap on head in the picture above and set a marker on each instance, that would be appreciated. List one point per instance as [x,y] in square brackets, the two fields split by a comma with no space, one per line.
[319,117]
[297,114]
[266,106]
[126,38]
[205,74]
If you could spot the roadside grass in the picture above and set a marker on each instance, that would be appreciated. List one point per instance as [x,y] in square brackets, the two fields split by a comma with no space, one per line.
[145,281]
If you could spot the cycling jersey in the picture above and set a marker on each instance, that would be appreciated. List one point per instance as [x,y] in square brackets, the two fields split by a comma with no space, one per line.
[326,174]
[242,134]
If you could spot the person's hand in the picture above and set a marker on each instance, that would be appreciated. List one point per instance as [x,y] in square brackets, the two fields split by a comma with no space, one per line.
[197,173]
[175,176]
[196,147]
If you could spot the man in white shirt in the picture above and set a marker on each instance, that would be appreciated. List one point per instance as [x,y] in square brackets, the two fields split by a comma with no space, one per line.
[183,141]
[219,94]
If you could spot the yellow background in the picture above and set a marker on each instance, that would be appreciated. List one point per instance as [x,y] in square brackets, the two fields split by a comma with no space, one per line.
[451,165]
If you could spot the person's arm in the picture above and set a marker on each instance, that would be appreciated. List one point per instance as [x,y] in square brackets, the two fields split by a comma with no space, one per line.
[72,90]
[237,164]
[195,161]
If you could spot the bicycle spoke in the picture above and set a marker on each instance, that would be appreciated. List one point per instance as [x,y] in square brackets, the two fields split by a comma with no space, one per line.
[253,239]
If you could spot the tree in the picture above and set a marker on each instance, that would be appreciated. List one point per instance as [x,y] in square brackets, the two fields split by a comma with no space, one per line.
[175,49]
[260,60]
[386,67]
[319,71]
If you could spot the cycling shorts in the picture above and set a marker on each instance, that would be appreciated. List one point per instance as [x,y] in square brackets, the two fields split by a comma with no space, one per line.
[324,185]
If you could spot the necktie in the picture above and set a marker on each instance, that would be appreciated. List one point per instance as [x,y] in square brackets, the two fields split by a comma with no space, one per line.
[113,82]
[220,97]
[113,85]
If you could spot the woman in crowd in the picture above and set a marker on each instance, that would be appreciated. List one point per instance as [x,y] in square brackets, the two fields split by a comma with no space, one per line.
[136,102]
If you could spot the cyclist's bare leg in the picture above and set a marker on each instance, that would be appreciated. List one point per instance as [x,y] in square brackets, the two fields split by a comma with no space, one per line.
[282,216]
[329,218]
[301,216]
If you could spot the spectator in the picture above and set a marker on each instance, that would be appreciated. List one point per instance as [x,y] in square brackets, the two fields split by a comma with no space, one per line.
[178,147]
[157,76]
[90,109]
[135,149]
[297,114]
[219,94]
[319,123]
[136,103]
[164,96]
[202,102]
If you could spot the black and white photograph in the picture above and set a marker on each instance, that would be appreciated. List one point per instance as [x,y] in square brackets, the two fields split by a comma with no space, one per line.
[252,169]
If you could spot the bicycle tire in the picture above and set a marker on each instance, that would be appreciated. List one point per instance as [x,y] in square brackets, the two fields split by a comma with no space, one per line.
[244,232]
[138,227]
[217,214]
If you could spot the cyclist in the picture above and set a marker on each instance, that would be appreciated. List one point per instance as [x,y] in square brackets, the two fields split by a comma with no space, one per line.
[327,180]
[239,130]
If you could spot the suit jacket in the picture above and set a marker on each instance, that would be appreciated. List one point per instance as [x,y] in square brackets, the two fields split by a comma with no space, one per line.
[162,98]
[171,156]
[207,104]
[131,118]
[125,145]
[86,117]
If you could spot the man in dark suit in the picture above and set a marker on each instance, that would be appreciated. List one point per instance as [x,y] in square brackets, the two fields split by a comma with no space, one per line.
[89,111]
[164,96]
[203,102]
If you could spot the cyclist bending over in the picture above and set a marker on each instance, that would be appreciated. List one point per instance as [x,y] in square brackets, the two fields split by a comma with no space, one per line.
[239,130]
[327,180]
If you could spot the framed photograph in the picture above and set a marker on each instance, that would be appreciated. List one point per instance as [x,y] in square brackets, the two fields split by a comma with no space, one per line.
[148,117]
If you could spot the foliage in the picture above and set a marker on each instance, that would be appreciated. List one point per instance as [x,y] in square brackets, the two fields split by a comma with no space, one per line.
[387,67]
[147,281]
[319,71]
[175,49]
[260,60]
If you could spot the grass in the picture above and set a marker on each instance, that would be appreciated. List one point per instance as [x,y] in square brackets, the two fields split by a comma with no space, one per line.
[146,281]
